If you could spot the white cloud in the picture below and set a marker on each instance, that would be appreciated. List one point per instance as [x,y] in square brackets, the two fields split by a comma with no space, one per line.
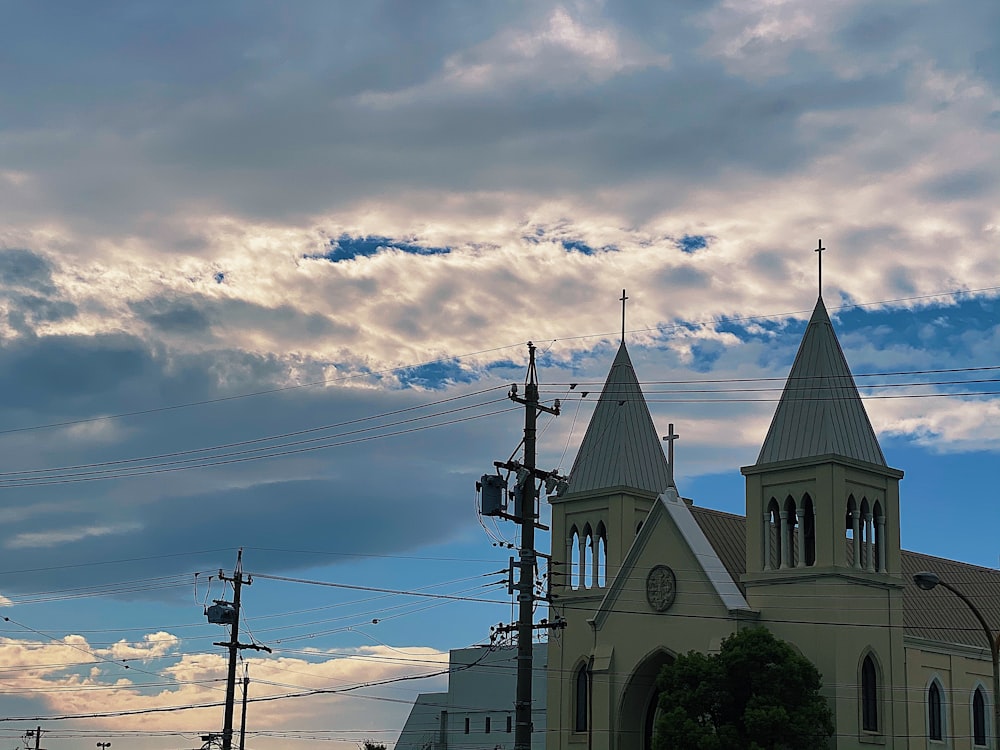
[52,537]
[47,673]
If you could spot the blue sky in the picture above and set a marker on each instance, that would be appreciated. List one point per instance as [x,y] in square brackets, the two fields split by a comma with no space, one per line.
[267,272]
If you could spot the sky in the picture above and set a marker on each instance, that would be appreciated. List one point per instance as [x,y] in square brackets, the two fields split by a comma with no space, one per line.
[267,272]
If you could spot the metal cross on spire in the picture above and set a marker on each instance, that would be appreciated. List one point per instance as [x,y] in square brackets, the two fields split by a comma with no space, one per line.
[670,437]
[819,249]
[623,298]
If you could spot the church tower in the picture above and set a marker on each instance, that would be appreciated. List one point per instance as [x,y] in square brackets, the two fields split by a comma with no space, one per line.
[618,473]
[822,540]
[821,497]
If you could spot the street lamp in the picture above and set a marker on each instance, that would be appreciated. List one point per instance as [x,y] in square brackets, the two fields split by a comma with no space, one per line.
[103,744]
[927,580]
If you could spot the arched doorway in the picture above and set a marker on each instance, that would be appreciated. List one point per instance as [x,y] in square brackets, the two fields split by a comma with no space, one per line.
[639,703]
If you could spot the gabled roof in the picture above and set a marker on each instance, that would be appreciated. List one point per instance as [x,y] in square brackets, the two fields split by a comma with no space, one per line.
[717,570]
[621,447]
[933,615]
[820,411]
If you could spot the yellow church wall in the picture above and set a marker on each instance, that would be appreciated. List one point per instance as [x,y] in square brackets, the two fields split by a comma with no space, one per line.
[959,670]
[834,621]
[621,514]
[627,633]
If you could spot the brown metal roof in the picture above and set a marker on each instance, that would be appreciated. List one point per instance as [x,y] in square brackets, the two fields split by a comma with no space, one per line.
[621,447]
[820,411]
[937,615]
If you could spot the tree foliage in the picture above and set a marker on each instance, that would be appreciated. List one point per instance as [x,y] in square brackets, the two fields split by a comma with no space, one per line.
[371,745]
[757,693]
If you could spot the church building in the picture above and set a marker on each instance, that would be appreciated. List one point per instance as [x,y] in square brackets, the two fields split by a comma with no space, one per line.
[816,560]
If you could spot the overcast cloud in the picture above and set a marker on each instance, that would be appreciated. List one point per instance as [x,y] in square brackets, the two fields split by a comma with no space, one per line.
[388,199]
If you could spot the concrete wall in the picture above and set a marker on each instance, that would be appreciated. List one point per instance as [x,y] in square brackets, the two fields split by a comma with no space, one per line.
[478,708]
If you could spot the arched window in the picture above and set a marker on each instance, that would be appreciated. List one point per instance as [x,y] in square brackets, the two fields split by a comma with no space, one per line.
[879,546]
[866,540]
[582,685]
[853,534]
[789,551]
[772,537]
[574,560]
[979,718]
[869,695]
[935,718]
[587,558]
[808,521]
[602,556]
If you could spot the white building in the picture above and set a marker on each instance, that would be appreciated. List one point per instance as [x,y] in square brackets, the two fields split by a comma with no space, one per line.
[477,711]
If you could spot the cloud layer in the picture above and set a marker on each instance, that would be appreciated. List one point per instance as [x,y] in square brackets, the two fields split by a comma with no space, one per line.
[363,213]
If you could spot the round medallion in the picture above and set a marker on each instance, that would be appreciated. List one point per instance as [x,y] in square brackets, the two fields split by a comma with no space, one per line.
[661,588]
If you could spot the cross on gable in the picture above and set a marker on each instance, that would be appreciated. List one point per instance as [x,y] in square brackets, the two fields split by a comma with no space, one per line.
[670,437]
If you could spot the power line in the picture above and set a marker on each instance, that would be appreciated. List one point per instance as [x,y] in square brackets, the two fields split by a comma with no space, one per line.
[221,399]
[467,355]
[270,438]
[45,481]
[261,699]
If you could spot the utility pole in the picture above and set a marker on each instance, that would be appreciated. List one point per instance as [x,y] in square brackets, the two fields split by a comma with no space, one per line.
[526,495]
[526,580]
[243,717]
[233,645]
[37,734]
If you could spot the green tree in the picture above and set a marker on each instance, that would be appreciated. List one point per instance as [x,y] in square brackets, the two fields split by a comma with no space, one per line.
[757,693]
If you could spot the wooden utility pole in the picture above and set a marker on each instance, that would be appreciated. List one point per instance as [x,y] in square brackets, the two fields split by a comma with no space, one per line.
[527,490]
[234,647]
[525,494]
[243,718]
[37,734]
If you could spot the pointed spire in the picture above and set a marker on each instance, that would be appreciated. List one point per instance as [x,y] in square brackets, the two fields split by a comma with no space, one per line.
[820,411]
[621,447]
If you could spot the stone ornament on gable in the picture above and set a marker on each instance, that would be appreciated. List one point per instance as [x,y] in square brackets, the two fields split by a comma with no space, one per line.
[661,588]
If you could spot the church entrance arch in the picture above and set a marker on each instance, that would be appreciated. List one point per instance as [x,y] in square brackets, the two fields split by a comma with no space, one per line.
[639,703]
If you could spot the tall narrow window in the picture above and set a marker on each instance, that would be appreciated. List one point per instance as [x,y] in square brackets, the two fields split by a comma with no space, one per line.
[867,540]
[869,695]
[934,712]
[979,718]
[772,537]
[879,550]
[487,726]
[580,719]
[853,534]
[790,552]
[602,555]
[510,724]
[574,559]
[808,521]
[466,724]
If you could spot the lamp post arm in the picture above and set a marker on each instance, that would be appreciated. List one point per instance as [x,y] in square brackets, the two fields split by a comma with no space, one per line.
[979,616]
[994,641]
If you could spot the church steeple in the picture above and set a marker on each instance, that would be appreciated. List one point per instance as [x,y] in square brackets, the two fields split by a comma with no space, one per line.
[821,495]
[820,411]
[621,447]
[618,473]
